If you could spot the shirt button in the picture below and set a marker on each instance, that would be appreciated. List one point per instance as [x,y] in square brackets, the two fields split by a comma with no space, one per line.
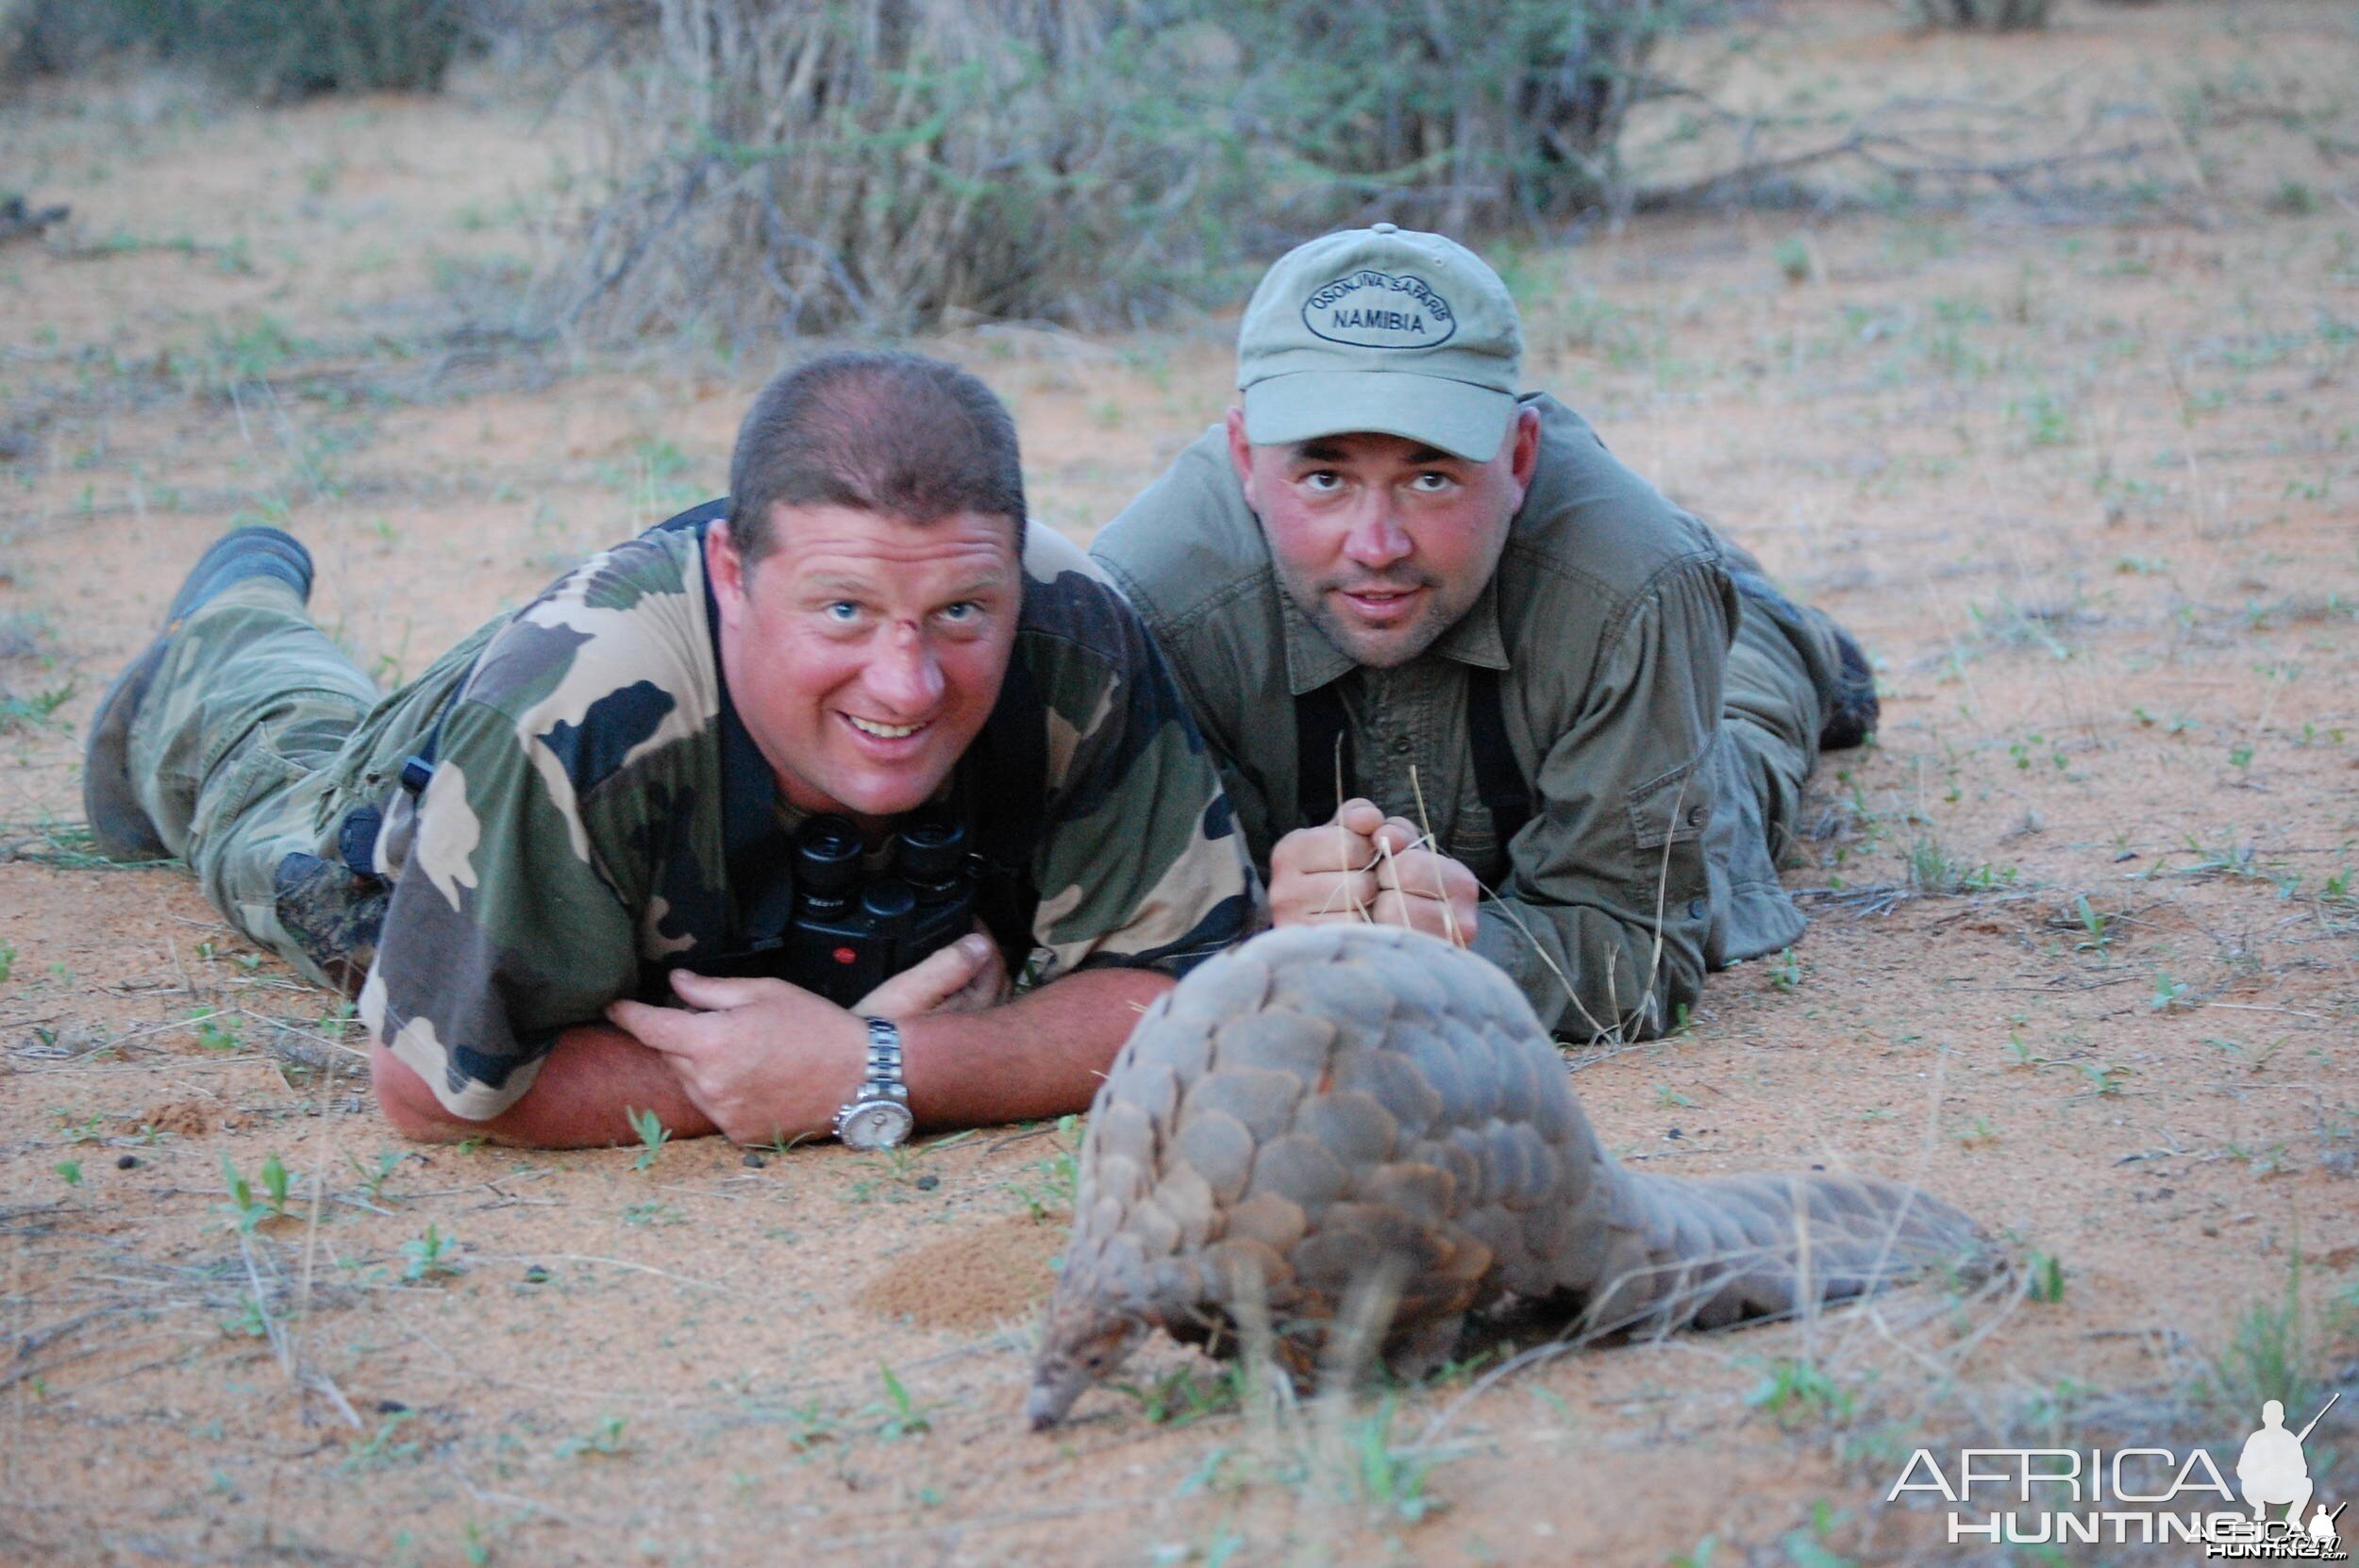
[1695,909]
[1695,816]
[1384,228]
[1402,745]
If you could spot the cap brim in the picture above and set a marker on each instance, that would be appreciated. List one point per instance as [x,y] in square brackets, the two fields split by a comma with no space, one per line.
[1467,421]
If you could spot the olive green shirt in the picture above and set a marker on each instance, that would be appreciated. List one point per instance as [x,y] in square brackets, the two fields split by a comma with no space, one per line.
[1611,618]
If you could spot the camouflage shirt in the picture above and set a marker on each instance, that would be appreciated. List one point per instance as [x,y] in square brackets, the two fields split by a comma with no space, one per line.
[570,843]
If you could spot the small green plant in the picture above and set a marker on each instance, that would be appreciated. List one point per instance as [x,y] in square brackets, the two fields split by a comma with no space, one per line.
[373,1177]
[1793,257]
[84,1132]
[808,1425]
[1057,1176]
[1180,1397]
[2097,926]
[1930,871]
[384,1447]
[70,1171]
[215,1030]
[2106,1079]
[1785,973]
[653,1212]
[244,1208]
[251,1322]
[2044,1278]
[2267,1355]
[1668,1098]
[2254,1060]
[606,1437]
[1808,1549]
[898,1415]
[2027,750]
[35,712]
[432,1256]
[7,961]
[2045,421]
[1980,1135]
[653,1135]
[1386,1477]
[2293,199]
[2169,996]
[1796,1393]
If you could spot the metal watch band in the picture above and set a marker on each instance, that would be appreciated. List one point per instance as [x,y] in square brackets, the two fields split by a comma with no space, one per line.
[883,1075]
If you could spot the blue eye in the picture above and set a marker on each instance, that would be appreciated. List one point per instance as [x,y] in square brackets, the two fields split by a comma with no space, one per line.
[962,612]
[843,612]
[1322,481]
[1432,481]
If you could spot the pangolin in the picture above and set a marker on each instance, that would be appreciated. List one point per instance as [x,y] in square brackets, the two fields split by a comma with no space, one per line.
[1328,1103]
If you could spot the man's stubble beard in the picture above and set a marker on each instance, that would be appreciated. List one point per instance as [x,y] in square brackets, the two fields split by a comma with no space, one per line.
[1379,651]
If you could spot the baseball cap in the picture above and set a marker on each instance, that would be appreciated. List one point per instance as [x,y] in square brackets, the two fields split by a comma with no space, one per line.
[1383,330]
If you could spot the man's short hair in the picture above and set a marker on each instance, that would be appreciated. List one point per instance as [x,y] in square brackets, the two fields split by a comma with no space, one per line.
[897,434]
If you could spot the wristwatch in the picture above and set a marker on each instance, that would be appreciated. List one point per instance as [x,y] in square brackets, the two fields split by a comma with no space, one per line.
[878,1114]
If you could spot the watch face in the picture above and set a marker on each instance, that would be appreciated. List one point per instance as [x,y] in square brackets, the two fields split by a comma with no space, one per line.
[876,1125]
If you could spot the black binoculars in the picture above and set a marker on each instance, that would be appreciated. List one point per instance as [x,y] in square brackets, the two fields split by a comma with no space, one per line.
[851,931]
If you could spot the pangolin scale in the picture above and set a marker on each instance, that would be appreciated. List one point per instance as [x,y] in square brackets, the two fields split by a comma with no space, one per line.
[1330,1102]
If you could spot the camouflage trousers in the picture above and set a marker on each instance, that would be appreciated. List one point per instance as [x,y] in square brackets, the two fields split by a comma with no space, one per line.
[256,741]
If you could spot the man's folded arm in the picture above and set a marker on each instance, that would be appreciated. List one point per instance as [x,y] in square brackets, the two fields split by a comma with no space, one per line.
[588,1084]
[1041,1055]
[1607,903]
[501,943]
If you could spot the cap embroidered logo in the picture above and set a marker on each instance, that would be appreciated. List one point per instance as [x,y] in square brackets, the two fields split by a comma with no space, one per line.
[1373,310]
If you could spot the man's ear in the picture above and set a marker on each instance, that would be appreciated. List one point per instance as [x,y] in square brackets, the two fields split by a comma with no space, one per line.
[727,565]
[1525,459]
[1241,453]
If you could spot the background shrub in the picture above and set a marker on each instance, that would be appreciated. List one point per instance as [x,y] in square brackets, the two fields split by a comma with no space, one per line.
[1997,15]
[1477,113]
[806,164]
[267,49]
[895,163]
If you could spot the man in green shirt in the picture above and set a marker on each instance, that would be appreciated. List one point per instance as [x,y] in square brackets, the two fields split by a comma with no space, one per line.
[614,799]
[1402,593]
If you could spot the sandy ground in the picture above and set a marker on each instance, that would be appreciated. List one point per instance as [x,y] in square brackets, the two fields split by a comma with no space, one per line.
[2083,961]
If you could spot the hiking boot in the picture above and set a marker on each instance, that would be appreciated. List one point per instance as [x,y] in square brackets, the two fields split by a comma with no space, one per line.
[118,824]
[1854,711]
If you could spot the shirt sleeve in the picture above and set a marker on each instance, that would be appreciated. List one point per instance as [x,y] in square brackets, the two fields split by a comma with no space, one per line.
[1140,863]
[1604,912]
[501,932]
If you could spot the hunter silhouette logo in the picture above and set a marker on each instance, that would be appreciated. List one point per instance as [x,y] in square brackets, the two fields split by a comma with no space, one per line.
[1373,310]
[2141,1495]
[2271,1469]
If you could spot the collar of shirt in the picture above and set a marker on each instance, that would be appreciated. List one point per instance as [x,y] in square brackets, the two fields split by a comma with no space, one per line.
[1312,660]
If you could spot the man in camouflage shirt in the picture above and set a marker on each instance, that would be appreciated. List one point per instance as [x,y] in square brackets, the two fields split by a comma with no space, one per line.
[864,619]
[1398,594]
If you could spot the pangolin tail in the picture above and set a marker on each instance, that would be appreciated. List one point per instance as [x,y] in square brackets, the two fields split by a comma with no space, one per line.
[1709,1252]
